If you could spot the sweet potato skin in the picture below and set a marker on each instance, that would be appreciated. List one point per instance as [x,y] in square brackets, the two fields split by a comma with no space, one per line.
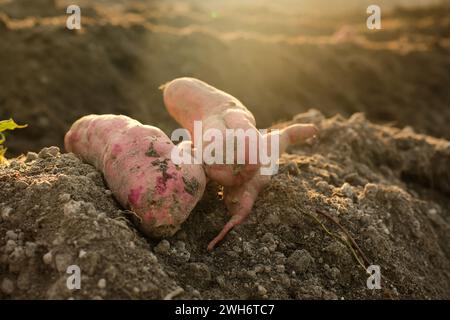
[240,200]
[135,161]
[189,99]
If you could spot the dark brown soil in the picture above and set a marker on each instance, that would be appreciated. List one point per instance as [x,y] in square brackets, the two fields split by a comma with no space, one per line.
[387,188]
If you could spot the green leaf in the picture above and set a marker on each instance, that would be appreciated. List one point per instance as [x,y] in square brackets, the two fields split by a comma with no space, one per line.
[6,125]
[10,125]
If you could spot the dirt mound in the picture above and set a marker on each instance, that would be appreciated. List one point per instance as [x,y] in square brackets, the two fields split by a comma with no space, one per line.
[360,194]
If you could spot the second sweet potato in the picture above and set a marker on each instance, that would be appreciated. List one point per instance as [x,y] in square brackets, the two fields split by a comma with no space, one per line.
[135,160]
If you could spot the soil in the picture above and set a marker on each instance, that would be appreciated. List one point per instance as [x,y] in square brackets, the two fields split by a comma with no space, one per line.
[372,188]
[387,188]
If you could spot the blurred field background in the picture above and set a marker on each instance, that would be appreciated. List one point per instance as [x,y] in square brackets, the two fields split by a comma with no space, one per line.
[279,57]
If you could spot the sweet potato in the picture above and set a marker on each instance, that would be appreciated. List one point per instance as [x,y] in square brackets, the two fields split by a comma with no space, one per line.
[135,161]
[239,200]
[188,100]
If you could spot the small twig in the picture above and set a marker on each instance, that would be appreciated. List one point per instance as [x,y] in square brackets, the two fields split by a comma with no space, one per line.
[174,293]
[341,239]
[347,240]
[352,240]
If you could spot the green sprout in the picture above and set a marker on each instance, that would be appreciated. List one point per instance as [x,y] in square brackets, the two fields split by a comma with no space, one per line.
[6,125]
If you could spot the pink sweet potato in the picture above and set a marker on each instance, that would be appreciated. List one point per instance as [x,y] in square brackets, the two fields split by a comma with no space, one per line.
[135,161]
[239,200]
[188,100]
